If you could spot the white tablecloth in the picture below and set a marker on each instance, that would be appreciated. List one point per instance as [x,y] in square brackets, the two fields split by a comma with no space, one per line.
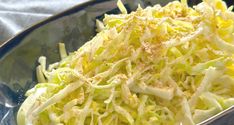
[16,15]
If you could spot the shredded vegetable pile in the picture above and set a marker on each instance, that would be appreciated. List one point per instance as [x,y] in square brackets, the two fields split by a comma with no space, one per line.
[155,66]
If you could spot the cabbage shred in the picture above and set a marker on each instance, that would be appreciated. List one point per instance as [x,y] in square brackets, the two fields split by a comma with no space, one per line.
[155,66]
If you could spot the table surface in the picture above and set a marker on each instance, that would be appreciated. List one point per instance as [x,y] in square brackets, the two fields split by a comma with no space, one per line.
[16,15]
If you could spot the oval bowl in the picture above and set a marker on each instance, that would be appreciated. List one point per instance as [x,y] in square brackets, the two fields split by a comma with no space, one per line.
[75,26]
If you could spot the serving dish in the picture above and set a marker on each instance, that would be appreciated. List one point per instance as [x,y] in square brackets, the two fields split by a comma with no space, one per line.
[18,56]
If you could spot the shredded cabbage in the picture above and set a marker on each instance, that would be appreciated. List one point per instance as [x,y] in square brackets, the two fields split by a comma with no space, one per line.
[154,66]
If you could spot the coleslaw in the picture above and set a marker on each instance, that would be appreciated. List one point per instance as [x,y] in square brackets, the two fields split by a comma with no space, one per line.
[170,65]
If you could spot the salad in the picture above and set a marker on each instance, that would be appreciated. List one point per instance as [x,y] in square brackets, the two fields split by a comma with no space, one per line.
[171,65]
